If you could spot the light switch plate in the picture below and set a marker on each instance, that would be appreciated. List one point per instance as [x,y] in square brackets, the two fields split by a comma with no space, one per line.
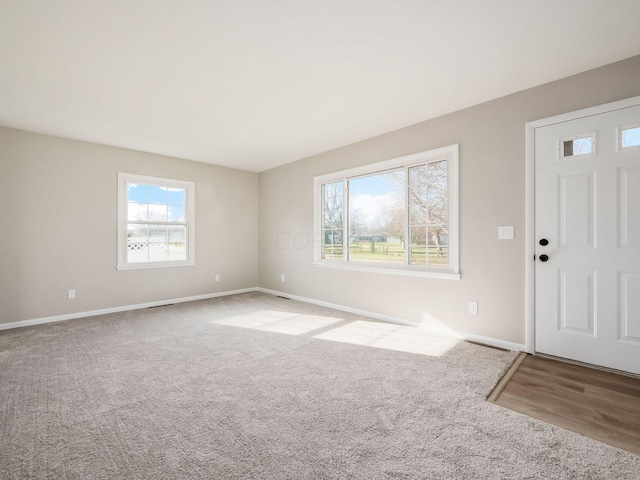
[473,308]
[506,232]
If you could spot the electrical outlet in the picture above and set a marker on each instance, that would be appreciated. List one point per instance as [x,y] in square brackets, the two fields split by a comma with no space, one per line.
[506,232]
[217,278]
[71,294]
[282,277]
[473,308]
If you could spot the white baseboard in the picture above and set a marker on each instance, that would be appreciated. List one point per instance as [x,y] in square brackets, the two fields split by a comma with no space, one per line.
[71,316]
[495,342]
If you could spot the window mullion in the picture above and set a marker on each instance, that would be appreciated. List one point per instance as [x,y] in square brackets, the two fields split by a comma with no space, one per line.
[345,221]
[427,189]
[407,219]
[151,222]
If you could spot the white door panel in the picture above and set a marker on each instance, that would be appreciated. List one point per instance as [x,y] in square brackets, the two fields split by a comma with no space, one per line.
[629,285]
[587,206]
[576,209]
[576,301]
[629,200]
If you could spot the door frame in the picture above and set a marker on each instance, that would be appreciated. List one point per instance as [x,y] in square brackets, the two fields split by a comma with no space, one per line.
[530,230]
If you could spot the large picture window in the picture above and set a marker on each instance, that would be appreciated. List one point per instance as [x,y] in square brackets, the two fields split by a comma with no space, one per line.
[397,216]
[155,222]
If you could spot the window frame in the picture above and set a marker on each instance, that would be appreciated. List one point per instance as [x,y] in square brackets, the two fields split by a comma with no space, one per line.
[124,179]
[573,138]
[620,131]
[452,272]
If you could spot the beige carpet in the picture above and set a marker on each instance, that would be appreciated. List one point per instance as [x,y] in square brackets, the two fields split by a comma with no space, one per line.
[257,387]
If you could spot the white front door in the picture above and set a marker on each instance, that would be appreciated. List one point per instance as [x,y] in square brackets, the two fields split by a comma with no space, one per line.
[587,227]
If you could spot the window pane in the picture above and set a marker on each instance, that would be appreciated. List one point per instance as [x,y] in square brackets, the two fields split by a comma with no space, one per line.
[332,237]
[333,204]
[329,222]
[418,252]
[377,218]
[437,213]
[135,232]
[138,256]
[158,246]
[328,252]
[136,193]
[332,220]
[137,243]
[177,251]
[177,234]
[158,243]
[332,244]
[175,196]
[158,233]
[630,137]
[418,195]
[176,214]
[577,146]
[438,248]
[157,213]
[157,194]
[158,252]
[137,211]
[332,252]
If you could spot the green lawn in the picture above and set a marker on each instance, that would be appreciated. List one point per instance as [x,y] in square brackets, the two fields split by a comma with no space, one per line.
[388,252]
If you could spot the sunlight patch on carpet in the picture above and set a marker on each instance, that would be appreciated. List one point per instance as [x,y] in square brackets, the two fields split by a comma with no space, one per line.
[366,333]
[280,322]
[391,337]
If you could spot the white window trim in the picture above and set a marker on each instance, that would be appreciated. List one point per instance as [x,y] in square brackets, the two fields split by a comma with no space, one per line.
[619,147]
[449,153]
[123,180]
[562,156]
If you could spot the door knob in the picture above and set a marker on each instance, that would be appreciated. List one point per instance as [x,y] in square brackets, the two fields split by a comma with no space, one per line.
[544,258]
[544,242]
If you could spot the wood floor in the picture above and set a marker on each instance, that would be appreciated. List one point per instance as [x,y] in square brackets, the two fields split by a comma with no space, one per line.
[602,405]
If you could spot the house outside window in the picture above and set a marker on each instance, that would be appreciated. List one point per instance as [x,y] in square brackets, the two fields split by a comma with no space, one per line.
[155,222]
[399,216]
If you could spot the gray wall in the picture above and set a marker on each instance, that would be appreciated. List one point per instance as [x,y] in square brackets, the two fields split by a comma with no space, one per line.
[492,193]
[59,200]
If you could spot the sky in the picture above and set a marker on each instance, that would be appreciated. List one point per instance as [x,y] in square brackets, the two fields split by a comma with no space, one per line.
[374,184]
[152,202]
[372,195]
[631,137]
[155,194]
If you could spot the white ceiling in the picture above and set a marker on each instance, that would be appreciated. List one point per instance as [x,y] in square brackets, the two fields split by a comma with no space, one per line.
[253,84]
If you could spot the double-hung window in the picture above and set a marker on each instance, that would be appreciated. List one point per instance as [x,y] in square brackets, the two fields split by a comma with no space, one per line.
[155,222]
[398,216]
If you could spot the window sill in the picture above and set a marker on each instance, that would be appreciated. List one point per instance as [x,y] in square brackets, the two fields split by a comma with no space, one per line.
[395,270]
[144,266]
